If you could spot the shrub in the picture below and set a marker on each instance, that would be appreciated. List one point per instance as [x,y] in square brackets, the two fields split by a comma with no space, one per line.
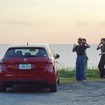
[70,73]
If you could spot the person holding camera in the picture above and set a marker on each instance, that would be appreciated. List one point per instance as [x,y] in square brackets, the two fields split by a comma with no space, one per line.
[101,64]
[81,59]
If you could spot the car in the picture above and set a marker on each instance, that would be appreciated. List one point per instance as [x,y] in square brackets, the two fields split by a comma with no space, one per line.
[31,64]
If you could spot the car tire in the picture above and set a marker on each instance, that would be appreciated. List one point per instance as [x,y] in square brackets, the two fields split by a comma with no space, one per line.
[2,88]
[58,81]
[53,88]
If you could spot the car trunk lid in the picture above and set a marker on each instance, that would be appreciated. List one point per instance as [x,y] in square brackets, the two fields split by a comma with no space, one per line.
[25,64]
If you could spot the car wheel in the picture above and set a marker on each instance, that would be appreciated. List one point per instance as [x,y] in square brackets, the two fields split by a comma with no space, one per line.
[2,88]
[58,81]
[53,88]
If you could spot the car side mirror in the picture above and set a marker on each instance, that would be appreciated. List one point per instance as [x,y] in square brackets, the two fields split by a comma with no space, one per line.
[57,56]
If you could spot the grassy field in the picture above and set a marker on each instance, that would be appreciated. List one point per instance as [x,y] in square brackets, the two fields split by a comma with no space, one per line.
[68,75]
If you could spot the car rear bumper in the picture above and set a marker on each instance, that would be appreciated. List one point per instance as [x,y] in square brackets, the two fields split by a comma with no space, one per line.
[38,83]
[42,79]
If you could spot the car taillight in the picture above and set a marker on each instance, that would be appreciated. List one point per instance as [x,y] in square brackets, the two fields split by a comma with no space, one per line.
[49,65]
[2,67]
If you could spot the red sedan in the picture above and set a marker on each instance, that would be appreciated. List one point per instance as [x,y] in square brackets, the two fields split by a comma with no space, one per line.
[33,64]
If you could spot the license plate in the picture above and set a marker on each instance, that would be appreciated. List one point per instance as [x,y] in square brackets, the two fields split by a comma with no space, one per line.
[24,66]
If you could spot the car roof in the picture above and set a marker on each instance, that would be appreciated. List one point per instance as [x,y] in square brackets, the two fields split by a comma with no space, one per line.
[29,45]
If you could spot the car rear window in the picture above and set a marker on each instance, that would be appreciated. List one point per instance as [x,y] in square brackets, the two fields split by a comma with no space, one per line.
[25,52]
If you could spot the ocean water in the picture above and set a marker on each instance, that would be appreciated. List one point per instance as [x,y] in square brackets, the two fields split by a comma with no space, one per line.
[67,57]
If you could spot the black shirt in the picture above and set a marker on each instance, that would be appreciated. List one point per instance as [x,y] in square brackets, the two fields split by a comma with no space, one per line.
[80,49]
[103,48]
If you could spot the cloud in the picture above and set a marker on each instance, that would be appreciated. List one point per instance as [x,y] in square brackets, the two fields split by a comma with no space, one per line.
[25,23]
[102,23]
[82,23]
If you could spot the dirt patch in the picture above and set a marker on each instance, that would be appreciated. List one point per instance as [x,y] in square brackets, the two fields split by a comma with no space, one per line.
[77,93]
[84,93]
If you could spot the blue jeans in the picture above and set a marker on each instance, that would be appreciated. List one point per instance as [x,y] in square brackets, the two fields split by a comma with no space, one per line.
[80,68]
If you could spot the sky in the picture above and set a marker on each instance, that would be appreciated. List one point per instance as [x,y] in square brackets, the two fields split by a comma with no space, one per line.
[51,21]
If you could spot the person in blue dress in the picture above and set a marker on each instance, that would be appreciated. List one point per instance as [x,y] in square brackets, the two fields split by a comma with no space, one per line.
[80,49]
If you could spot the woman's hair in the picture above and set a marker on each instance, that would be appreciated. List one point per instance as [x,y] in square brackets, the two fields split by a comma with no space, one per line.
[84,39]
[103,39]
[80,39]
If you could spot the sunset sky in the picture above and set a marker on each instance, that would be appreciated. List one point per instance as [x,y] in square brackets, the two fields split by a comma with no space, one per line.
[51,21]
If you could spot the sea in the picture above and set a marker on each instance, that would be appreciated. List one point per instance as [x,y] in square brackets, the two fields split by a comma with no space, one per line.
[67,57]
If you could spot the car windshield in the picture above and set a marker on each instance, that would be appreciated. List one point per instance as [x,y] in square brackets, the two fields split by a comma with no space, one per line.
[25,52]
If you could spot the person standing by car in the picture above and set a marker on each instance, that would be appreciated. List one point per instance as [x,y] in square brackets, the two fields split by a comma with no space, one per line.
[80,61]
[86,63]
[101,64]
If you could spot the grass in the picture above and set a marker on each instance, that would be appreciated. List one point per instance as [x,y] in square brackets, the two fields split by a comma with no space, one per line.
[68,75]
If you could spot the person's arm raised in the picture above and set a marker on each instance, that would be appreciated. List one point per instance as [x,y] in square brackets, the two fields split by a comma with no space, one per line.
[99,46]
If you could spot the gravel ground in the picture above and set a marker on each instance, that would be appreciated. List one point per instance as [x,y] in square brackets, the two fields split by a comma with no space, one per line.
[78,93]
